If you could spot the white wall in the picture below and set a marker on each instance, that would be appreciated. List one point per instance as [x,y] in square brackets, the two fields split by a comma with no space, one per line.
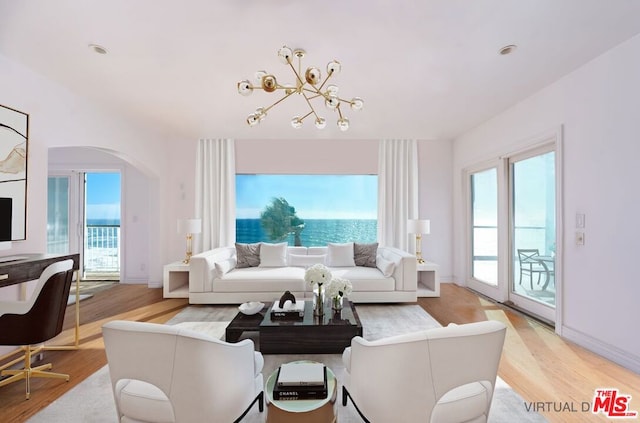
[597,106]
[58,118]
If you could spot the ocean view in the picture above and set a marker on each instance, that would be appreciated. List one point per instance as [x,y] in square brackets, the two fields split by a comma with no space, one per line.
[316,233]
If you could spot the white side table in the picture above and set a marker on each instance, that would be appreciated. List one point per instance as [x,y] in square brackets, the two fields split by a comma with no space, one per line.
[175,280]
[428,280]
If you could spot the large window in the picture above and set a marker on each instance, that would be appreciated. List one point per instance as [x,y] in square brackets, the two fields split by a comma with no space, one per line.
[308,210]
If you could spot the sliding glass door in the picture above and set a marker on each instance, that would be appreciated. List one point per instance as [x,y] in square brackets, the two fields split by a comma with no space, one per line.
[483,234]
[58,210]
[533,231]
[512,230]
[484,220]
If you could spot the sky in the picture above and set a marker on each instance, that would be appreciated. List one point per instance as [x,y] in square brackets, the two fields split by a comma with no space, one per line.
[313,196]
[103,196]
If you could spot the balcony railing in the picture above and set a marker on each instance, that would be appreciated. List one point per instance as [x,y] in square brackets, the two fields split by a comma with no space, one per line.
[102,250]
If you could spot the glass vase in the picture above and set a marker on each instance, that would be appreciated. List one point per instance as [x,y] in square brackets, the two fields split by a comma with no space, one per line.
[318,300]
[336,303]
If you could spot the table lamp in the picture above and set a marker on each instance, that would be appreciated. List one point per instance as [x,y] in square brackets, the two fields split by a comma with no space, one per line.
[189,227]
[419,227]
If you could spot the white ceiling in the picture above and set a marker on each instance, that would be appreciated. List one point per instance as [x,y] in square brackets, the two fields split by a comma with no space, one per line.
[426,69]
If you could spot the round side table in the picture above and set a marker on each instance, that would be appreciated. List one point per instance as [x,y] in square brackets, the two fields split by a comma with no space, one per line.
[295,411]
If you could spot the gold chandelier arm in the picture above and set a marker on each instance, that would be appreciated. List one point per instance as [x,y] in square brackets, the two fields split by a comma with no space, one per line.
[282,99]
[325,81]
[307,115]
[310,106]
[314,91]
[313,97]
[339,111]
[300,83]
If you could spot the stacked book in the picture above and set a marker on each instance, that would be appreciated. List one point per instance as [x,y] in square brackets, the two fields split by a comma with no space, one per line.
[288,311]
[298,381]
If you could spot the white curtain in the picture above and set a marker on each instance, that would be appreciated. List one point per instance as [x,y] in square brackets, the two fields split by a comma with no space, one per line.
[216,193]
[397,192]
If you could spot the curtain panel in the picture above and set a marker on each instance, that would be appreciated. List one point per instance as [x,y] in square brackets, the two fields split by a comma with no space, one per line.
[397,192]
[216,193]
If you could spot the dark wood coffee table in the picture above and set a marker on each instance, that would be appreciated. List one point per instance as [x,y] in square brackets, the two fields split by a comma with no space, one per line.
[243,323]
[329,334]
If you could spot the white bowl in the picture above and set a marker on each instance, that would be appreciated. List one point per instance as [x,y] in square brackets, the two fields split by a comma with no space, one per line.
[252,307]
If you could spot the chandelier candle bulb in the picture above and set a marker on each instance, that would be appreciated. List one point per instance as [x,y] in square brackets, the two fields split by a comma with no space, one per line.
[310,85]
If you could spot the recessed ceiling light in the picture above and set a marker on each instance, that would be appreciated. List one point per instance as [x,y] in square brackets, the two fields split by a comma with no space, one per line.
[98,49]
[507,49]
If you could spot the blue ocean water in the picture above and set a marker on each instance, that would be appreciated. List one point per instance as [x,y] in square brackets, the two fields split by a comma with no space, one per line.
[317,232]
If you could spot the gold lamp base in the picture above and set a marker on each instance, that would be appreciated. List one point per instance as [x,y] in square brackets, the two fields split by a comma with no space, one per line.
[419,249]
[187,258]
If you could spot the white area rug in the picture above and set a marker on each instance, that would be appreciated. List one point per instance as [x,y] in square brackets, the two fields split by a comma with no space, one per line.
[92,400]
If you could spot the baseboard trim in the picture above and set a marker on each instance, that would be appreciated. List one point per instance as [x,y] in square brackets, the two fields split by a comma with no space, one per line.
[610,352]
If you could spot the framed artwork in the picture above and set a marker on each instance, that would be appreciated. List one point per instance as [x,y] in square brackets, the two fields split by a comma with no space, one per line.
[14,136]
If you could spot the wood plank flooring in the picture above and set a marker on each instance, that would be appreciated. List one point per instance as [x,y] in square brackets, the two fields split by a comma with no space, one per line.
[537,363]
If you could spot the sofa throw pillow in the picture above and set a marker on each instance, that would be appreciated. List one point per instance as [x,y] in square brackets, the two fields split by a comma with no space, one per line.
[273,255]
[299,260]
[224,266]
[365,254]
[247,255]
[340,255]
[385,266]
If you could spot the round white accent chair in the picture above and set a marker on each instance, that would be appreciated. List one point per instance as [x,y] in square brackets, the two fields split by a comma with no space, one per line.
[163,374]
[441,375]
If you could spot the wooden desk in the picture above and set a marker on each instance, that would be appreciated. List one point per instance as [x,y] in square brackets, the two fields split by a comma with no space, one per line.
[20,268]
[29,267]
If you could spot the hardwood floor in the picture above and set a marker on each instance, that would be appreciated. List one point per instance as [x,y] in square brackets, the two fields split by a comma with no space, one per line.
[539,365]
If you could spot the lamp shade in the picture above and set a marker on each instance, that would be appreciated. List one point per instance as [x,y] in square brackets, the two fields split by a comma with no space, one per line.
[189,226]
[418,226]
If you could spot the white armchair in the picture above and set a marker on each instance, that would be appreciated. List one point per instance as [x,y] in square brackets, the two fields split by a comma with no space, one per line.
[437,375]
[161,374]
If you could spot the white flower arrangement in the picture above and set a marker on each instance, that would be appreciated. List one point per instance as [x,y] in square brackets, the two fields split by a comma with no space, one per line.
[317,274]
[339,287]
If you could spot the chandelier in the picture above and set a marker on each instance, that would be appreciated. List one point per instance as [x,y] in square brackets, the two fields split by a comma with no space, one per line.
[309,85]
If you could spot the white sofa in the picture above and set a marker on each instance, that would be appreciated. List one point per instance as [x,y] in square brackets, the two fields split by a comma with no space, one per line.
[213,279]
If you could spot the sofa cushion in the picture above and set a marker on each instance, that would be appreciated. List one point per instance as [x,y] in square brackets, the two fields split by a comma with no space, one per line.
[224,266]
[143,401]
[385,266]
[262,279]
[340,255]
[248,255]
[273,255]
[298,260]
[464,403]
[364,278]
[365,254]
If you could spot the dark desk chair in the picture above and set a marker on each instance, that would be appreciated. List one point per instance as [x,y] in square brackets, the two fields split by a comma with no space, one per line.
[530,264]
[36,320]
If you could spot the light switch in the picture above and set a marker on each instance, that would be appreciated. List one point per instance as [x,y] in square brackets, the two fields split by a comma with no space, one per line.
[579,220]
[579,238]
